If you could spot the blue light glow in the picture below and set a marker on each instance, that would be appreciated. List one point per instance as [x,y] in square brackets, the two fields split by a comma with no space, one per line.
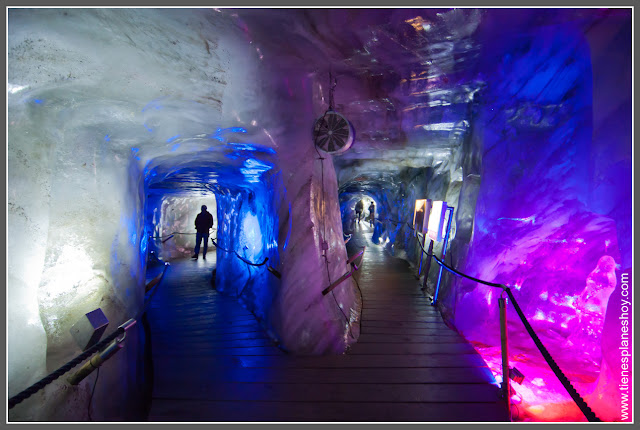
[172,138]
[175,147]
[253,169]
[220,131]
[154,104]
[135,150]
[531,219]
[252,147]
[143,244]
[286,241]
[148,129]
[106,138]
[251,236]
[38,101]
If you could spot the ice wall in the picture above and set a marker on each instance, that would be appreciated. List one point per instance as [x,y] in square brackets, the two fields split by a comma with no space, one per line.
[81,87]
[538,226]
[105,105]
[313,253]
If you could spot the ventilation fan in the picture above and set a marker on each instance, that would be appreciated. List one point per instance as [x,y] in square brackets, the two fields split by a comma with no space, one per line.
[333,133]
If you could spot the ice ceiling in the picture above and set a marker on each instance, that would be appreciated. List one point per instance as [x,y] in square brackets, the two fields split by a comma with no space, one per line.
[519,118]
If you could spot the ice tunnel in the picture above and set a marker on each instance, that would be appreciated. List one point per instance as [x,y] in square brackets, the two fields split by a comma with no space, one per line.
[123,122]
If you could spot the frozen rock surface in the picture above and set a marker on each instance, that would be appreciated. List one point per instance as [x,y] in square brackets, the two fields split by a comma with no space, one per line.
[123,122]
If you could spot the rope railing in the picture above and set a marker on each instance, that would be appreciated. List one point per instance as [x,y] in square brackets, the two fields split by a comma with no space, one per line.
[154,283]
[269,268]
[575,396]
[166,237]
[95,361]
[28,392]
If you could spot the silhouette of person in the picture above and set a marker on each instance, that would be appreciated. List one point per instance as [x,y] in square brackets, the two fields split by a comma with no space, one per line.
[359,209]
[372,213]
[204,221]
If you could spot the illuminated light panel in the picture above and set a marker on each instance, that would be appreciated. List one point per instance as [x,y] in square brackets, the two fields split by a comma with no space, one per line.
[437,220]
[420,213]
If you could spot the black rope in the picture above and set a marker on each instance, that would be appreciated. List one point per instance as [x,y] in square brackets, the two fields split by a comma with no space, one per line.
[253,264]
[586,410]
[579,401]
[25,394]
[239,256]
[452,270]
[155,289]
[169,235]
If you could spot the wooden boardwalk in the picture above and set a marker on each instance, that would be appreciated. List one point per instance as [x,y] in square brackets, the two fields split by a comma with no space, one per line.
[212,362]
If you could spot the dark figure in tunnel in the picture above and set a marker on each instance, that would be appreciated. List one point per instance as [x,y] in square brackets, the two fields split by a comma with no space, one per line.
[359,209]
[372,213]
[204,221]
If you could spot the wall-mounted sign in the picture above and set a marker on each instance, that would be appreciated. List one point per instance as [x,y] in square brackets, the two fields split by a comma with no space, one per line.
[420,215]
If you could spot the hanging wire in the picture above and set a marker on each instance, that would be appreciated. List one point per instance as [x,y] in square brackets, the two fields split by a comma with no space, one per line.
[95,383]
[332,85]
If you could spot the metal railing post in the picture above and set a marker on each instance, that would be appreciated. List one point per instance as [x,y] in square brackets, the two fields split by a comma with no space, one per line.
[506,386]
[428,265]
[444,253]
[421,254]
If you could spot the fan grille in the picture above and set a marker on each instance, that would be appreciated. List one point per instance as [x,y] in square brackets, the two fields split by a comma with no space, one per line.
[333,133]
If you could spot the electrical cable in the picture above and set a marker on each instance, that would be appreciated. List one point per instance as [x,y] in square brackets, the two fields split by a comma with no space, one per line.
[95,383]
[324,232]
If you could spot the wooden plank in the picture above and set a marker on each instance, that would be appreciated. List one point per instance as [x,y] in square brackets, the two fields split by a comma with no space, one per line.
[429,330]
[207,350]
[364,361]
[412,348]
[185,324]
[320,362]
[381,316]
[434,337]
[188,374]
[204,343]
[203,329]
[173,410]
[212,335]
[323,392]
[412,324]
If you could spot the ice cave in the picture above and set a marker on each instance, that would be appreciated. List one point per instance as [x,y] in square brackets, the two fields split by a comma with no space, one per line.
[123,122]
